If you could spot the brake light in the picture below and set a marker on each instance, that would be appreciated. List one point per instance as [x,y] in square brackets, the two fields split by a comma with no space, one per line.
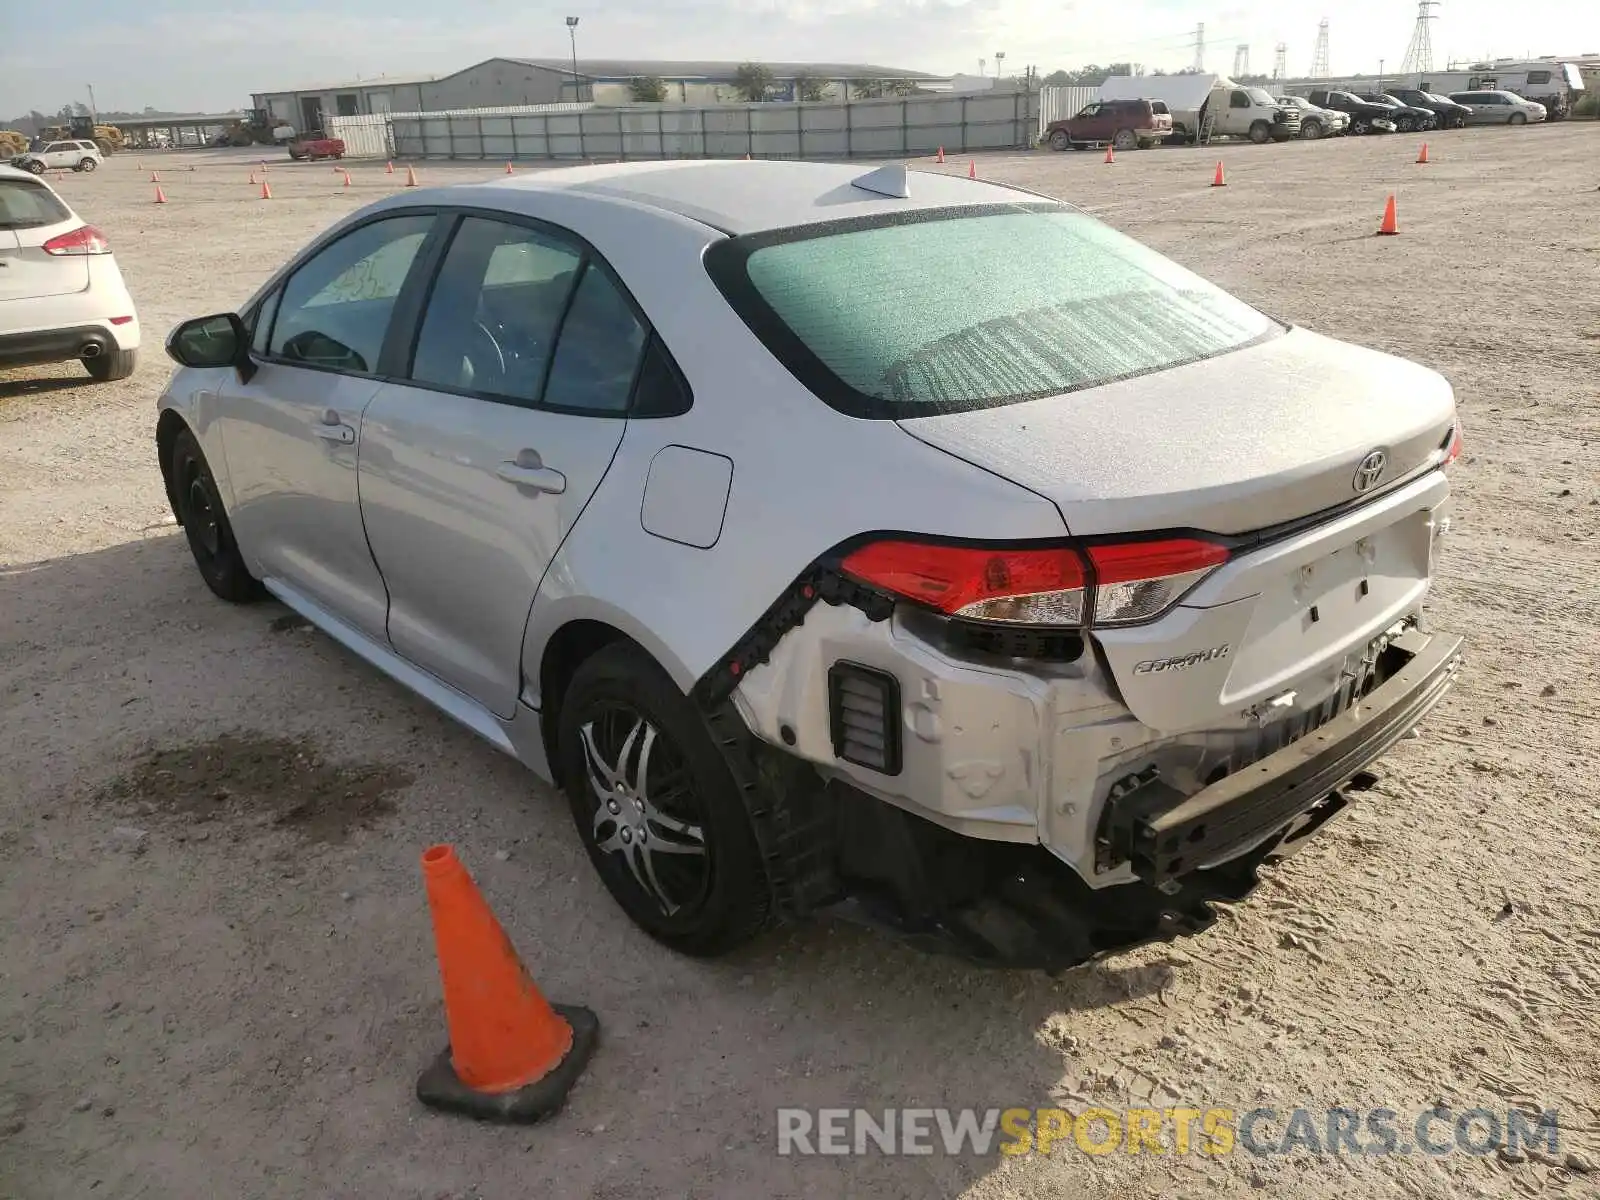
[86,239]
[1031,586]
[1130,582]
[1135,581]
[1452,445]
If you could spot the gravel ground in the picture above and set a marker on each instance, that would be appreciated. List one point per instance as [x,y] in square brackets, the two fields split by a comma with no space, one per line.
[216,962]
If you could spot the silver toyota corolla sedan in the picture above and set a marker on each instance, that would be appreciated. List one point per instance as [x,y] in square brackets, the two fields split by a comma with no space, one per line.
[903,546]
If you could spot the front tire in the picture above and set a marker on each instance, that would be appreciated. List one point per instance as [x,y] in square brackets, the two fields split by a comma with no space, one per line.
[1519,119]
[1059,141]
[1360,125]
[205,524]
[1311,130]
[657,808]
[1260,133]
[35,165]
[111,365]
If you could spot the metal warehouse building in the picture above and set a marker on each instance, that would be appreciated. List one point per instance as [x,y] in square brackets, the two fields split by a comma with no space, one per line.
[505,82]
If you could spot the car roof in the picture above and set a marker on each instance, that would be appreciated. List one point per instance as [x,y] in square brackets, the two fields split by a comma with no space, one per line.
[748,196]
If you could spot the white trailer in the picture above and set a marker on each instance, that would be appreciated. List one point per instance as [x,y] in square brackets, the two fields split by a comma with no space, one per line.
[1204,106]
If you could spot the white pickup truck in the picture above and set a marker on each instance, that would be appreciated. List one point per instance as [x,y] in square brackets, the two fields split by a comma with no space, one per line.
[1206,106]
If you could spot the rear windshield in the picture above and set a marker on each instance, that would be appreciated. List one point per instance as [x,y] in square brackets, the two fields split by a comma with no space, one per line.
[955,309]
[26,205]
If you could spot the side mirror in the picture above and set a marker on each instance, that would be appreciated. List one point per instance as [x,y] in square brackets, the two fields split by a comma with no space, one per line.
[215,341]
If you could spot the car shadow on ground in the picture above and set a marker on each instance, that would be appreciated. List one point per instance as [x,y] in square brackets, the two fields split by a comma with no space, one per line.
[111,656]
[12,388]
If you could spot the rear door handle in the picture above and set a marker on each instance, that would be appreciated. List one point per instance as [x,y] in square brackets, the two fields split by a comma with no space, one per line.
[535,479]
[342,434]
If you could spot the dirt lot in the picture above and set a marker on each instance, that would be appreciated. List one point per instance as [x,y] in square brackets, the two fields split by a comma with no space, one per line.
[216,962]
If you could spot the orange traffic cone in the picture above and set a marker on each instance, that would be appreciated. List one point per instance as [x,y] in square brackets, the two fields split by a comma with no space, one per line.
[509,171]
[1111,156]
[389,170]
[1390,225]
[513,1056]
[940,157]
[972,169]
[411,177]
[1217,180]
[347,178]
[1422,156]
[155,176]
[161,197]
[266,190]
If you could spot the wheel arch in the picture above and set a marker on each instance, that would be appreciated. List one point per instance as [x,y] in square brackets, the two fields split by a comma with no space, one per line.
[168,426]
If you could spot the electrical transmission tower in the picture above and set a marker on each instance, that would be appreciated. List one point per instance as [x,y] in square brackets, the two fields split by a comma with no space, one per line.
[1419,54]
[1241,60]
[1200,46]
[1319,56]
[1280,60]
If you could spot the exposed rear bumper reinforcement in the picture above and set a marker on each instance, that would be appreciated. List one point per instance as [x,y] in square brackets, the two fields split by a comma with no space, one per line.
[1169,835]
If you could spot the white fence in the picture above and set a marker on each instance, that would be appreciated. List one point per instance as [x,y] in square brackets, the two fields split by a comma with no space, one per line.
[914,125]
[1058,102]
[371,135]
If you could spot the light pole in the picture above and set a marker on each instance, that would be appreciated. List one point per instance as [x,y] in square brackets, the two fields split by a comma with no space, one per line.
[572,36]
[999,60]
[94,114]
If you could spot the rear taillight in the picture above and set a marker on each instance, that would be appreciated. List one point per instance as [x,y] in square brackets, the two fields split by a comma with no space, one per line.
[1452,445]
[1135,581]
[86,239]
[1117,584]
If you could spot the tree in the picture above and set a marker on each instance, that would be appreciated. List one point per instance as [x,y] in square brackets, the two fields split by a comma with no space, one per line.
[648,89]
[753,82]
[811,89]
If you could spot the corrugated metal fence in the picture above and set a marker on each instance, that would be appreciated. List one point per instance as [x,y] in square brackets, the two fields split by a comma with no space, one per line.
[914,125]
[1057,103]
[371,135]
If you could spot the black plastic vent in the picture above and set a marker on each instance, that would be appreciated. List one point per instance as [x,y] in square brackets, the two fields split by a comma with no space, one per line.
[864,709]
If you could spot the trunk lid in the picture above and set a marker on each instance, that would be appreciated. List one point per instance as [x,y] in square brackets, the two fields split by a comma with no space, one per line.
[1243,442]
[1233,444]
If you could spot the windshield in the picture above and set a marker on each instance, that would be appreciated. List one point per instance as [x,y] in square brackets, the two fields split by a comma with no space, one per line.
[954,309]
[25,205]
[1260,95]
[1398,103]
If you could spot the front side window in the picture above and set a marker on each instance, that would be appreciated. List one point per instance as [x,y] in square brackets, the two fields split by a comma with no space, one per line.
[494,311]
[1090,110]
[335,309]
[970,308]
[1238,100]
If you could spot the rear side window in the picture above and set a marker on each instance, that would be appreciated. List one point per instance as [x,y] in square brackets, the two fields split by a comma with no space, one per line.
[970,308]
[597,355]
[25,205]
[1538,76]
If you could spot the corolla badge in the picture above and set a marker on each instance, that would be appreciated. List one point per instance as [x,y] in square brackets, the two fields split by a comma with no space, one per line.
[1370,471]
[1181,662]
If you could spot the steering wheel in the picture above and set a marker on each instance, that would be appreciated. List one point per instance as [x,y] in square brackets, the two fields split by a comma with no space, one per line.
[498,357]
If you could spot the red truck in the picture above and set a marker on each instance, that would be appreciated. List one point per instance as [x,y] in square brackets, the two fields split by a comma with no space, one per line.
[313,148]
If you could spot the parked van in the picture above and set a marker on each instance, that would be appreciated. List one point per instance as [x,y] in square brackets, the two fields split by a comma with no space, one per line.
[1206,106]
[1125,124]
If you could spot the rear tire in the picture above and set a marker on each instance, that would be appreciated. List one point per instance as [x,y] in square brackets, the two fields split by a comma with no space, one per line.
[111,365]
[87,164]
[205,524]
[667,830]
[1125,139]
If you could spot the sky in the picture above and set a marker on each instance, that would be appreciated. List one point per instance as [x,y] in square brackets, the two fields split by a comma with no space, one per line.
[190,56]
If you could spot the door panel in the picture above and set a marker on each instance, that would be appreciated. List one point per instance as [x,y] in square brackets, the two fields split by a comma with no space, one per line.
[461,542]
[296,510]
[292,433]
[469,480]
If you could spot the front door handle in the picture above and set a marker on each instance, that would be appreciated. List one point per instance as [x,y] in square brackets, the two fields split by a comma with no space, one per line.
[535,479]
[342,434]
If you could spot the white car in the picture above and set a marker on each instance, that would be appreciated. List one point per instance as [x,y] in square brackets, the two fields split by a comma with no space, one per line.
[1316,122]
[61,294]
[900,542]
[60,156]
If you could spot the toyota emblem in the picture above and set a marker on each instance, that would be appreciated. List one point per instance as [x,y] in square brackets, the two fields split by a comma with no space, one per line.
[1370,471]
